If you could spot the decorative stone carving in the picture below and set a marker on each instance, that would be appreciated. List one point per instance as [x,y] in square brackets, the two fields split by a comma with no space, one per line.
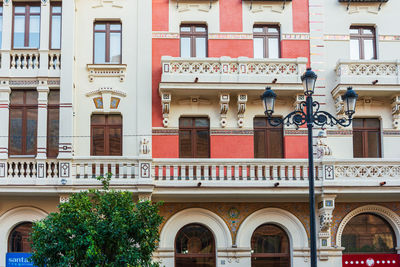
[322,148]
[224,102]
[64,198]
[325,210]
[144,146]
[242,100]
[166,104]
[396,112]
[299,98]
[144,197]
[100,70]
[105,98]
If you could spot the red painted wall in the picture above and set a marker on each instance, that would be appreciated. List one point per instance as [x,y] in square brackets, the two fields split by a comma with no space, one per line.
[300,16]
[165,146]
[296,147]
[230,48]
[295,48]
[230,14]
[160,9]
[231,146]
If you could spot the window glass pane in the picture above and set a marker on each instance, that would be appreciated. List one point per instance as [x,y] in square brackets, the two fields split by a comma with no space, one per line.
[19,31]
[185,122]
[185,47]
[185,144]
[34,9]
[201,122]
[98,119]
[372,123]
[17,97]
[31,130]
[18,240]
[273,30]
[31,97]
[259,144]
[260,122]
[185,29]
[56,32]
[373,144]
[258,29]
[56,9]
[115,47]
[98,141]
[202,145]
[115,141]
[367,31]
[357,144]
[99,47]
[54,97]
[201,47]
[258,44]
[353,31]
[15,131]
[115,27]
[354,49]
[34,31]
[275,144]
[52,132]
[358,123]
[369,49]
[269,239]
[99,26]
[19,9]
[194,239]
[115,119]
[273,48]
[200,29]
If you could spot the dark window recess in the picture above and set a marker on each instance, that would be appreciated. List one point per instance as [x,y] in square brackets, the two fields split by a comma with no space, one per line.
[362,42]
[368,233]
[18,238]
[193,41]
[53,122]
[106,133]
[366,138]
[364,1]
[268,140]
[107,43]
[1,23]
[270,246]
[26,26]
[194,137]
[23,122]
[55,26]
[266,41]
[194,246]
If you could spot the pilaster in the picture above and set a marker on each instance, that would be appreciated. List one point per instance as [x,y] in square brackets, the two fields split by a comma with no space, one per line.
[6,37]
[326,205]
[44,37]
[4,117]
[43,92]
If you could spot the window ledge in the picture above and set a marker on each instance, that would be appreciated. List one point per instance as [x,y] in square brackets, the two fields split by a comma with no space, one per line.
[107,70]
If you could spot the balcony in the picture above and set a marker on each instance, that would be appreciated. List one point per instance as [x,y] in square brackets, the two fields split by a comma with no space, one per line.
[30,63]
[227,74]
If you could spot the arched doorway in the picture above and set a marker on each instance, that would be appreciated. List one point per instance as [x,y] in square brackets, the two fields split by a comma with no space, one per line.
[270,247]
[194,247]
[369,238]
[18,238]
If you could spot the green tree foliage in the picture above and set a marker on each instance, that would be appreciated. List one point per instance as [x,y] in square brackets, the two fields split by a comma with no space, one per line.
[98,228]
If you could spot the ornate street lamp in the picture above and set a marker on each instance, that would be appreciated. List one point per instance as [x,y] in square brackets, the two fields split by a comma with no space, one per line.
[309,113]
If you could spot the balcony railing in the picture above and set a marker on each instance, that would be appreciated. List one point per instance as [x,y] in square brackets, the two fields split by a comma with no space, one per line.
[359,72]
[226,69]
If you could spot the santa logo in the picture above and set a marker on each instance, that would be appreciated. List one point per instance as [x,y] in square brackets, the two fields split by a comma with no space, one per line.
[370,262]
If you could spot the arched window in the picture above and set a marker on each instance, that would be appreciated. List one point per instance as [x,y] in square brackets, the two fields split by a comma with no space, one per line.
[18,239]
[194,246]
[270,247]
[366,233]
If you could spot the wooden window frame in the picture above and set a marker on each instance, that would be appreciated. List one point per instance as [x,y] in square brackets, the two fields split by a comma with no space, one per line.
[360,36]
[364,130]
[24,107]
[27,15]
[106,128]
[268,128]
[266,36]
[54,4]
[12,231]
[193,34]
[51,107]
[195,255]
[107,31]
[193,130]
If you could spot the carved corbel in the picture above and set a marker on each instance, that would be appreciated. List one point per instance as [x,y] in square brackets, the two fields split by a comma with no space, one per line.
[396,112]
[242,100]
[322,149]
[299,98]
[224,102]
[166,104]
[144,146]
[326,206]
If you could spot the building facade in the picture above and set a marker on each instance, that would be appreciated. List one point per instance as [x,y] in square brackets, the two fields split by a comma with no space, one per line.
[165,95]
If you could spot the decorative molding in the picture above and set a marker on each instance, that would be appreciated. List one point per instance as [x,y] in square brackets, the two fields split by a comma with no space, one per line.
[64,198]
[23,83]
[391,132]
[103,90]
[295,36]
[325,210]
[160,131]
[242,100]
[145,170]
[145,146]
[339,132]
[336,37]
[166,105]
[224,107]
[204,7]
[165,35]
[64,169]
[231,132]
[389,38]
[367,171]
[322,149]
[106,70]
[396,112]
[113,3]
[296,132]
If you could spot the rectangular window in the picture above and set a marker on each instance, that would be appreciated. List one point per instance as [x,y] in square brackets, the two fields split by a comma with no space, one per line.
[366,138]
[107,42]
[362,43]
[106,132]
[26,26]
[23,122]
[53,122]
[193,41]
[55,27]
[266,41]
[268,140]
[194,137]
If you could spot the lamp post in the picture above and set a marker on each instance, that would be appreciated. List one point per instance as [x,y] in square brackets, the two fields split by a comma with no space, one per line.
[308,113]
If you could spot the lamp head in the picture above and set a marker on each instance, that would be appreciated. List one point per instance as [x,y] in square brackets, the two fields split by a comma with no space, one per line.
[350,99]
[268,100]
[309,78]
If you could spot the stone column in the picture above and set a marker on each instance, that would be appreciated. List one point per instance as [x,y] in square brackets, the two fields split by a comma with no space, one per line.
[43,92]
[4,118]
[44,37]
[6,38]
